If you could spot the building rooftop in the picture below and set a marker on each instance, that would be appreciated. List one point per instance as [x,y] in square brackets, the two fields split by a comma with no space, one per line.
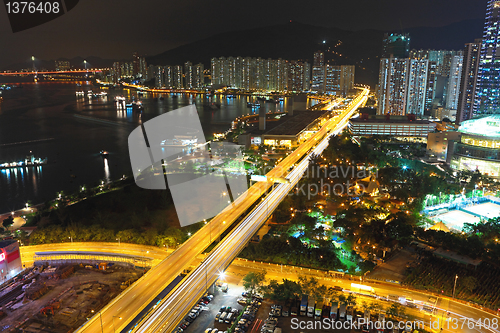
[487,126]
[389,120]
[7,242]
[297,123]
[289,125]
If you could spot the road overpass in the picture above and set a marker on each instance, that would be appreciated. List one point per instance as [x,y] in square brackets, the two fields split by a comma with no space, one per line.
[241,267]
[172,310]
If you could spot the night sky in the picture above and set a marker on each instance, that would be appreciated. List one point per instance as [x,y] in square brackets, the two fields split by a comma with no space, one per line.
[114,29]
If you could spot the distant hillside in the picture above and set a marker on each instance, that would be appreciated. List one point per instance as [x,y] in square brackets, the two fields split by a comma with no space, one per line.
[299,41]
[288,41]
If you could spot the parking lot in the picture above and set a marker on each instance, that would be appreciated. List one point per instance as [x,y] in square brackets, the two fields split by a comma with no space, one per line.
[257,321]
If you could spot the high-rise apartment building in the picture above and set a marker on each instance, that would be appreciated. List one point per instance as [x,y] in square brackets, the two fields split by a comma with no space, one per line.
[189,75]
[453,89]
[143,68]
[468,81]
[397,45]
[135,64]
[339,79]
[199,76]
[403,86]
[417,86]
[177,77]
[393,86]
[260,74]
[487,99]
[318,72]
[430,91]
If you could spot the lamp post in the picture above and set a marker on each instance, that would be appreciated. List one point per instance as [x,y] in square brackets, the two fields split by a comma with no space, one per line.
[223,194]
[114,329]
[455,285]
[100,316]
[118,239]
[71,237]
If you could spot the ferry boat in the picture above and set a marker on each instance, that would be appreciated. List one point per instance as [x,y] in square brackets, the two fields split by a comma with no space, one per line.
[103,153]
[29,161]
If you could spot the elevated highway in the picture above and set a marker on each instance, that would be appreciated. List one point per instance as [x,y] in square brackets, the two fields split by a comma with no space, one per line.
[177,304]
[133,300]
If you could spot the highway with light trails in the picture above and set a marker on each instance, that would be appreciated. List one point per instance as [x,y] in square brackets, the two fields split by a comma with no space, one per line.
[177,304]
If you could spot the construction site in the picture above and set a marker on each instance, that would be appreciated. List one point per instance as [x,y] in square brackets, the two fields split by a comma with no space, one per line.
[59,299]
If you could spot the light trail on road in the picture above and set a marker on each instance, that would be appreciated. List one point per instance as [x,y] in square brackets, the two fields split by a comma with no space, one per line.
[177,304]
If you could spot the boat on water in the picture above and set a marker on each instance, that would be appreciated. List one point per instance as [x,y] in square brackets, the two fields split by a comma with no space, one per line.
[29,161]
[103,153]
[162,98]
[214,106]
[137,106]
[175,96]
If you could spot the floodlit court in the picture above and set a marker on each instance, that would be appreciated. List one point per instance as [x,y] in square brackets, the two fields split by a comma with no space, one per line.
[487,210]
[455,219]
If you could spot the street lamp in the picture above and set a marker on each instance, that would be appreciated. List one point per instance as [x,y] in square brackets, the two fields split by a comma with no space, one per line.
[114,329]
[118,239]
[455,285]
[100,316]
[71,237]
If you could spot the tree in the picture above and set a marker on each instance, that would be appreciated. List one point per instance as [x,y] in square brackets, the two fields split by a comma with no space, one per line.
[469,283]
[282,292]
[8,222]
[396,310]
[351,300]
[308,285]
[253,282]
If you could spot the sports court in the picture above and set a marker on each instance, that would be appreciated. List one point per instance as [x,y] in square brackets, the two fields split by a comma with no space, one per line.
[455,219]
[487,210]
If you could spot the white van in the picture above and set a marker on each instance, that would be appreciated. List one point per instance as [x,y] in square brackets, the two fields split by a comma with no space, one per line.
[228,317]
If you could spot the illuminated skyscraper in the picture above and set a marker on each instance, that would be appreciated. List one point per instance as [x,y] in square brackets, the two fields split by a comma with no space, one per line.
[468,81]
[393,86]
[453,90]
[318,72]
[402,86]
[339,79]
[417,84]
[135,64]
[487,99]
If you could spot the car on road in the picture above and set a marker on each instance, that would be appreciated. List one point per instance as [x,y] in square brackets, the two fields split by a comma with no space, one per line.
[242,301]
